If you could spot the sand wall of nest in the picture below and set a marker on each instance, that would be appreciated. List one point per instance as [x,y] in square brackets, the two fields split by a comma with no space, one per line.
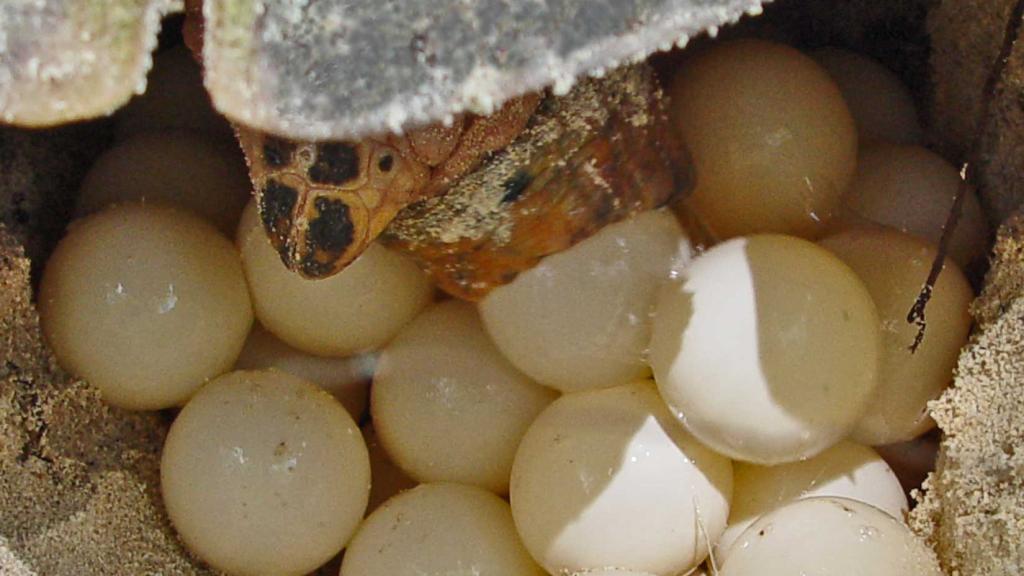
[79,480]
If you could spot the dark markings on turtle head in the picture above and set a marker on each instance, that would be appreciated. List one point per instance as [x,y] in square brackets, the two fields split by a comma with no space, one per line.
[276,207]
[277,152]
[277,203]
[336,163]
[329,235]
[312,267]
[515,186]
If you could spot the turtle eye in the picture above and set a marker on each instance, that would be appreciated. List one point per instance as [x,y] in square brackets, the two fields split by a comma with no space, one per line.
[386,162]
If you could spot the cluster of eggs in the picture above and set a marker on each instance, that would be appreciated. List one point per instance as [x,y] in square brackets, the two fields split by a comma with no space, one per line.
[631,406]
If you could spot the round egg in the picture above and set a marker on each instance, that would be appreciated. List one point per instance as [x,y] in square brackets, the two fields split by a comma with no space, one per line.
[894,267]
[263,473]
[768,349]
[773,143]
[912,189]
[439,529]
[882,107]
[356,310]
[847,469]
[347,379]
[175,99]
[834,536]
[148,168]
[387,478]
[580,319]
[146,303]
[617,572]
[447,405]
[609,478]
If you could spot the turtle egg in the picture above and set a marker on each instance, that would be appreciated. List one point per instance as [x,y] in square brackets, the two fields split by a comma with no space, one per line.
[581,318]
[387,478]
[347,379]
[148,167]
[912,189]
[437,529]
[175,99]
[882,107]
[846,469]
[357,310]
[616,572]
[768,349]
[447,405]
[826,535]
[609,478]
[146,303]
[774,145]
[264,473]
[894,267]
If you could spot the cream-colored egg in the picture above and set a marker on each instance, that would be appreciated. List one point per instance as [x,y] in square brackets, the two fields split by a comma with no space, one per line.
[175,99]
[768,350]
[580,319]
[347,379]
[447,405]
[387,479]
[150,167]
[834,536]
[264,473]
[439,530]
[912,189]
[894,267]
[881,105]
[848,470]
[774,145]
[146,303]
[616,572]
[359,309]
[609,478]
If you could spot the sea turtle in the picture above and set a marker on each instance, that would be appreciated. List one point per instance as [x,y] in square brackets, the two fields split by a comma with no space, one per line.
[480,199]
[322,203]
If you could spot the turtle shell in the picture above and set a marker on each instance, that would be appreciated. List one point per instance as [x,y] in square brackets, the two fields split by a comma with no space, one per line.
[599,154]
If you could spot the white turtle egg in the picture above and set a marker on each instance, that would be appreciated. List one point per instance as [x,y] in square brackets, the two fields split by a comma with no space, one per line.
[148,168]
[580,319]
[848,470]
[447,405]
[146,303]
[356,310]
[439,529]
[912,189]
[347,379]
[880,103]
[616,572]
[609,478]
[264,473]
[828,535]
[768,349]
[772,140]
[894,267]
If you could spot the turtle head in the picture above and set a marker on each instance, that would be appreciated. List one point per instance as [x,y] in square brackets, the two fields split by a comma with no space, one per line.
[323,203]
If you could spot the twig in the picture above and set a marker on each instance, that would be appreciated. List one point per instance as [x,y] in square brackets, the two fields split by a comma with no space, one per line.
[1010,34]
[916,313]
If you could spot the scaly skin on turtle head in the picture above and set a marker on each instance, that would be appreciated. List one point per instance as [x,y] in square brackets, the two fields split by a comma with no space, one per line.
[322,203]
